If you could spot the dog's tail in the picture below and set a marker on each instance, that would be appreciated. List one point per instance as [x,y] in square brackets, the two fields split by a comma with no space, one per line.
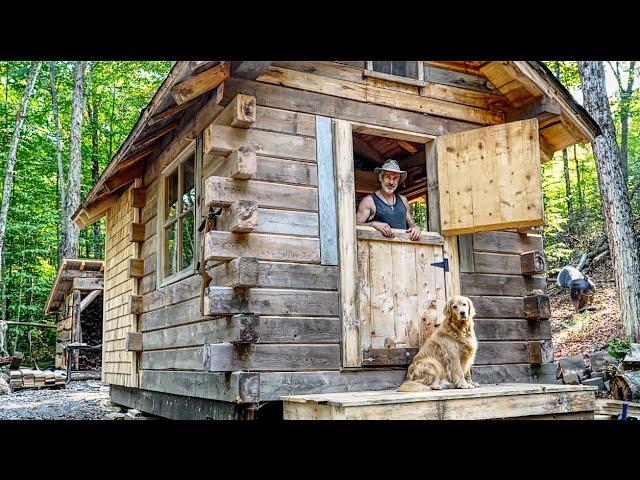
[413,386]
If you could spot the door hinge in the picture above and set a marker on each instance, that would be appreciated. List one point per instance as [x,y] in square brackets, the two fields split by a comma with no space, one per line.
[444,264]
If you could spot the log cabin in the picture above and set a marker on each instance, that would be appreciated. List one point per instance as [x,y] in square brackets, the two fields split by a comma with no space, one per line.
[235,273]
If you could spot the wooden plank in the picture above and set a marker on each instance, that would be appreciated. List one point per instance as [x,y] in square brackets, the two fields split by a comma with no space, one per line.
[298,276]
[225,191]
[170,112]
[89,298]
[135,304]
[225,357]
[497,263]
[138,197]
[326,192]
[135,268]
[240,272]
[545,109]
[173,293]
[178,359]
[405,308]
[457,79]
[299,330]
[133,342]
[498,307]
[426,238]
[275,302]
[196,85]
[222,246]
[240,113]
[249,69]
[241,216]
[281,170]
[88,284]
[489,284]
[537,306]
[239,386]
[452,277]
[364,293]
[136,232]
[283,121]
[426,284]
[222,140]
[240,164]
[351,345]
[512,329]
[319,104]
[433,196]
[171,315]
[382,304]
[283,222]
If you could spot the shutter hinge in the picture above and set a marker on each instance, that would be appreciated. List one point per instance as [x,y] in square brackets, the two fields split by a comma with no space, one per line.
[444,264]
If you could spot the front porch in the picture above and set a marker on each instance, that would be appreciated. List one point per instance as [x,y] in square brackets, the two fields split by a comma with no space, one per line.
[498,401]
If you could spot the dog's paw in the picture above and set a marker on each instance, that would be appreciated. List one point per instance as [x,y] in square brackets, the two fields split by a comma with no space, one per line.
[463,384]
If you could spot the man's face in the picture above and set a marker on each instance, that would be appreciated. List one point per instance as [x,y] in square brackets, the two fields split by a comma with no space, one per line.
[389,181]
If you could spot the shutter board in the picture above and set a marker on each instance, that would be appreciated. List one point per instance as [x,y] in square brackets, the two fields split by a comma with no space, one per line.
[489,178]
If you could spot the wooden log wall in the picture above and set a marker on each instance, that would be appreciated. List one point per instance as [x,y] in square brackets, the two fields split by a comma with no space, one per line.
[120,366]
[512,323]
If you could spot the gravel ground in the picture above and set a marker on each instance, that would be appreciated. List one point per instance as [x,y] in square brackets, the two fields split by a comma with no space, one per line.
[80,400]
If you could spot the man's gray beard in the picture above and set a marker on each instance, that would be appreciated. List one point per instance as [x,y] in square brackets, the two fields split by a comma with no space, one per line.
[388,189]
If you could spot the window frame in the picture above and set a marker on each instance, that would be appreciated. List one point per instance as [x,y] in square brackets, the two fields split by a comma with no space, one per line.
[195,148]
[370,72]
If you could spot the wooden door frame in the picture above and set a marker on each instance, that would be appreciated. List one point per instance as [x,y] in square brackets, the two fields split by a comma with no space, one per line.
[343,130]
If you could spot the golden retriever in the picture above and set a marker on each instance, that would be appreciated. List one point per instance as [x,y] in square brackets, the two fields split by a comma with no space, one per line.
[445,359]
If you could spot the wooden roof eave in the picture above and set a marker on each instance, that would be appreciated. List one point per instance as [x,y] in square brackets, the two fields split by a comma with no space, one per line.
[53,306]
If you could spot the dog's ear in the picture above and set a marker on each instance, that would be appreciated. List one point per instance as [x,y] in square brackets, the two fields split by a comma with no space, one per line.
[472,309]
[447,309]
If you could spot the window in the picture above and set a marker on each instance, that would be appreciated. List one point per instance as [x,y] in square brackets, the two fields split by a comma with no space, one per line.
[177,215]
[400,71]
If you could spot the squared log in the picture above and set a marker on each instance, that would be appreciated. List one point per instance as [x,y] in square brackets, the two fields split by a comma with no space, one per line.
[138,197]
[135,304]
[240,164]
[535,353]
[136,232]
[537,306]
[240,113]
[241,216]
[88,284]
[136,268]
[244,328]
[133,342]
[241,272]
[533,262]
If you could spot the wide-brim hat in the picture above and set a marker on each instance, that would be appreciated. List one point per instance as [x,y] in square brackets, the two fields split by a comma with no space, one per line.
[392,166]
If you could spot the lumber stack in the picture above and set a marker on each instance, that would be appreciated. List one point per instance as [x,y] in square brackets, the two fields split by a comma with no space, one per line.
[613,408]
[28,378]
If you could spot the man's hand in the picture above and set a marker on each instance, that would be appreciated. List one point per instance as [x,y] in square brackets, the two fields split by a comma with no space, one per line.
[383,228]
[414,233]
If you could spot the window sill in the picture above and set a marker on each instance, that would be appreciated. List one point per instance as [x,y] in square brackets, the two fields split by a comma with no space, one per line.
[176,277]
[394,78]
[370,233]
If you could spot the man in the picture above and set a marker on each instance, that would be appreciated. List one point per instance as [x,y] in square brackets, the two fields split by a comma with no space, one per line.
[383,209]
[582,288]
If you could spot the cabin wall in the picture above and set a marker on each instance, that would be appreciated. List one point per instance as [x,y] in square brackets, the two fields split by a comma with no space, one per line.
[296,298]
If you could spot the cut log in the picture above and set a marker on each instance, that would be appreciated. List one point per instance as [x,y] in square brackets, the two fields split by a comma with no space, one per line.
[533,262]
[626,386]
[632,359]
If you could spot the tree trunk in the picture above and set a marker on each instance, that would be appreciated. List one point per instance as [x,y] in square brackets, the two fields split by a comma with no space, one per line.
[95,172]
[75,162]
[567,186]
[62,244]
[625,94]
[615,203]
[626,386]
[578,181]
[13,150]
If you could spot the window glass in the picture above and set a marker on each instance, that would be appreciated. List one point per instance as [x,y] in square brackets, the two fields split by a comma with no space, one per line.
[188,187]
[171,249]
[172,194]
[399,69]
[187,240]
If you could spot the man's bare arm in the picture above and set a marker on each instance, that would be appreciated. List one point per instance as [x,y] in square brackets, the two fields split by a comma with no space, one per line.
[364,212]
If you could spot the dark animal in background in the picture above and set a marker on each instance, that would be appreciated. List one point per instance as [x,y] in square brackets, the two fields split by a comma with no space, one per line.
[582,288]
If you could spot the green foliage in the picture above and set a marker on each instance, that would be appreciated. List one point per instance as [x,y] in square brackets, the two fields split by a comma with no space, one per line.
[618,348]
[419,213]
[116,95]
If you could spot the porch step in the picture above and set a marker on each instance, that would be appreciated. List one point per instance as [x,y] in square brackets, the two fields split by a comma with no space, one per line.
[507,400]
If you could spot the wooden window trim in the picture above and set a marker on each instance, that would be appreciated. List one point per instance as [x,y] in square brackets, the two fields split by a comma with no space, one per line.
[194,147]
[420,82]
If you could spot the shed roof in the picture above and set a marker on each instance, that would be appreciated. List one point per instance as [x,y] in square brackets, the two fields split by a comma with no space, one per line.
[158,122]
[63,284]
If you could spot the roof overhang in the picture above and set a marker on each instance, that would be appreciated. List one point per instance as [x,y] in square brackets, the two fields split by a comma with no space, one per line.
[69,269]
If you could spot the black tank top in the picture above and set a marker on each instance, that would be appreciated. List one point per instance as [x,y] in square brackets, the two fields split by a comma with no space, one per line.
[396,217]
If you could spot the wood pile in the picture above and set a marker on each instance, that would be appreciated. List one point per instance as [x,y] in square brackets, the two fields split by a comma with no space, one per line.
[28,378]
[613,408]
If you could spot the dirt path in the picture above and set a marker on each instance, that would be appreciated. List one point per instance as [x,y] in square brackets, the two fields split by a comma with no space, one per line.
[80,400]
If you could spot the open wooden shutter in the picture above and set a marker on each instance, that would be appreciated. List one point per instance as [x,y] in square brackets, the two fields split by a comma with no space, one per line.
[489,178]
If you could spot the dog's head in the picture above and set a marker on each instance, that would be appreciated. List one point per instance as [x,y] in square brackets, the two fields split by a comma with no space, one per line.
[459,310]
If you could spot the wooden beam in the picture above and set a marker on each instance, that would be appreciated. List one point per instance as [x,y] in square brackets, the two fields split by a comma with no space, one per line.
[533,262]
[366,182]
[169,112]
[125,176]
[95,212]
[240,113]
[365,150]
[546,150]
[155,135]
[136,232]
[406,146]
[328,227]
[131,159]
[240,164]
[545,109]
[135,304]
[133,342]
[89,298]
[138,198]
[249,70]
[223,246]
[240,272]
[135,268]
[198,84]
[242,216]
[88,284]
[537,306]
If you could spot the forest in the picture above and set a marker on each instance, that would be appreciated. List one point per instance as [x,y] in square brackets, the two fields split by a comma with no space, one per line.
[77,114]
